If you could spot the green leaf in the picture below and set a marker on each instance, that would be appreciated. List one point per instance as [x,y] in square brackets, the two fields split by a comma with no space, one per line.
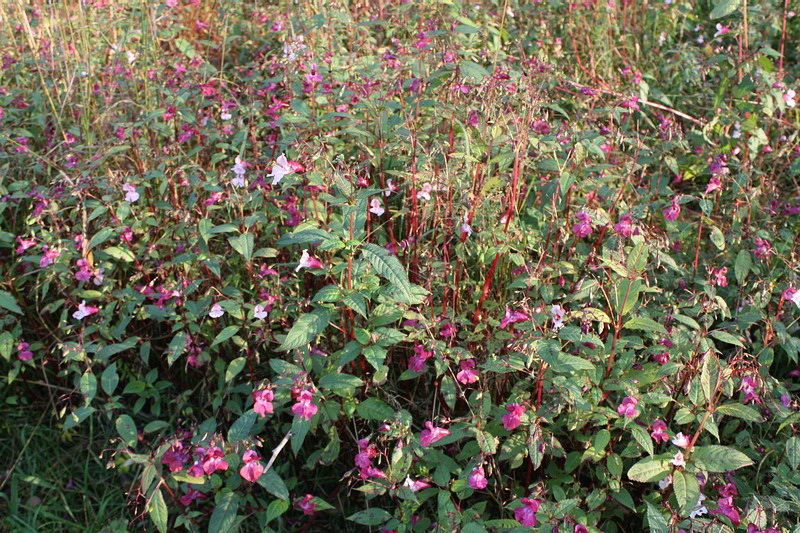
[273,483]
[374,409]
[655,520]
[6,345]
[225,334]
[473,70]
[389,267]
[185,47]
[275,509]
[234,367]
[745,412]
[306,236]
[223,519]
[89,386]
[448,390]
[709,376]
[8,302]
[561,363]
[718,238]
[741,268]
[158,511]
[645,324]
[643,438]
[100,237]
[719,458]
[793,451]
[723,8]
[240,430]
[687,490]
[243,244]
[306,329]
[724,336]
[126,428]
[300,427]
[370,517]
[176,347]
[339,382]
[123,254]
[649,469]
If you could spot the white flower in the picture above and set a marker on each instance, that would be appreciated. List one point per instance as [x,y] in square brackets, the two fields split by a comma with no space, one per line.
[240,170]
[557,313]
[83,311]
[131,55]
[699,508]
[375,207]
[425,192]
[225,115]
[280,169]
[216,311]
[259,312]
[465,227]
[789,98]
[390,188]
[130,193]
[737,131]
[678,460]
[796,297]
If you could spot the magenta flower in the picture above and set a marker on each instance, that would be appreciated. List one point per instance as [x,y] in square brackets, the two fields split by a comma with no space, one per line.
[749,386]
[526,515]
[763,248]
[624,227]
[84,311]
[213,460]
[512,317]
[190,496]
[308,261]
[24,244]
[659,431]
[49,256]
[511,420]
[714,184]
[584,226]
[661,358]
[175,457]
[304,408]
[432,434]
[417,362]
[252,468]
[23,353]
[671,213]
[263,401]
[725,507]
[477,478]
[306,504]
[468,374]
[415,485]
[628,407]
[447,331]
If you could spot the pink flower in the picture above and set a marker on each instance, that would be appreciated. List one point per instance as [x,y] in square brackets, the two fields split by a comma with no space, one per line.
[425,192]
[526,515]
[512,317]
[417,361]
[749,387]
[671,213]
[628,407]
[432,434]
[175,457]
[415,485]
[477,478]
[789,97]
[681,441]
[580,528]
[263,401]
[659,432]
[306,504]
[190,496]
[308,261]
[714,184]
[84,311]
[447,331]
[280,169]
[213,460]
[467,374]
[304,408]
[557,313]
[130,193]
[678,460]
[24,244]
[23,353]
[584,226]
[624,227]
[376,208]
[763,248]
[719,276]
[661,358]
[511,420]
[260,312]
[252,468]
[49,256]
[216,311]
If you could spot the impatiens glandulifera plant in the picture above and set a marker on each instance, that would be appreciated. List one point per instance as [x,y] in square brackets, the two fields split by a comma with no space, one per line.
[515,266]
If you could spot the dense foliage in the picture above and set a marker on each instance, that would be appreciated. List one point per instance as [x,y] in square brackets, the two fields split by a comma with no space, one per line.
[406,266]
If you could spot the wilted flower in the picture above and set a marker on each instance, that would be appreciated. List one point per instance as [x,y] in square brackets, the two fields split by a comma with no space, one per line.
[671,213]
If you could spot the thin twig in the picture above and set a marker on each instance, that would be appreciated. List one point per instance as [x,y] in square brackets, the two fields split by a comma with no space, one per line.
[277,450]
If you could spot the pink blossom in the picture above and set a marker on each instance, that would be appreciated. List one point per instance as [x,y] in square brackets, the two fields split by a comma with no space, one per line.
[306,504]
[714,184]
[447,331]
[681,441]
[624,227]
[213,460]
[726,507]
[23,353]
[512,317]
[749,386]
[719,276]
[584,226]
[671,213]
[308,261]
[432,434]
[789,97]
[190,496]
[526,515]
[304,408]
[84,311]
[262,401]
[280,169]
[425,192]
[477,478]
[511,420]
[216,311]
[659,431]
[417,361]
[175,457]
[415,485]
[130,193]
[661,358]
[24,244]
[628,407]
[260,312]
[763,248]
[678,460]
[252,468]
[468,374]
[49,256]
[376,208]
[557,313]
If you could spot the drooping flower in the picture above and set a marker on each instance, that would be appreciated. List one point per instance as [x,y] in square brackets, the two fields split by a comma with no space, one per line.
[280,169]
[308,261]
[376,208]
[681,440]
[659,431]
[721,30]
[671,213]
[175,457]
[304,408]
[628,407]
[661,358]
[511,420]
[24,244]
[216,311]
[584,226]
[526,515]
[131,195]
[477,478]
[431,434]
[262,401]
[49,256]
[390,188]
[252,469]
[699,509]
[467,374]
[190,496]
[512,317]
[448,330]
[84,311]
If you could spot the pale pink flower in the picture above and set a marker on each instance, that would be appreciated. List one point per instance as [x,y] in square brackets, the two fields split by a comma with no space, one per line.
[280,169]
[415,485]
[425,192]
[789,97]
[678,460]
[131,195]
[216,311]
[628,407]
[376,208]
[557,313]
[719,277]
[239,169]
[260,312]
[681,441]
[262,401]
[84,311]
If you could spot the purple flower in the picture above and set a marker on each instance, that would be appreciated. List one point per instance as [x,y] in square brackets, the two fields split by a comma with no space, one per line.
[584,227]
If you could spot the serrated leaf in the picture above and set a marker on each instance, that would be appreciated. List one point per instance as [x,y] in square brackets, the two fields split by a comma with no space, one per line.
[240,430]
[643,438]
[339,382]
[306,329]
[158,511]
[273,483]
[126,428]
[244,244]
[389,267]
[275,509]
[655,520]
[687,490]
[88,386]
[709,376]
[223,519]
[719,458]
[225,334]
[724,336]
[645,324]
[123,254]
[745,412]
[100,237]
[793,451]
[648,469]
